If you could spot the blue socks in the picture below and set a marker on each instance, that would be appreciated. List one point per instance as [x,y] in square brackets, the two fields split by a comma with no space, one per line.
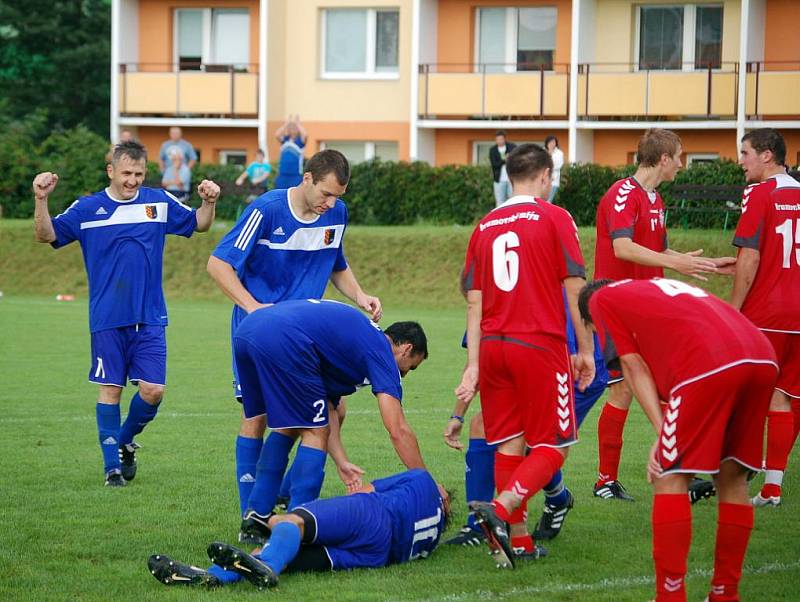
[479,478]
[286,484]
[282,546]
[108,433]
[308,472]
[139,414]
[555,493]
[223,575]
[248,450]
[269,472]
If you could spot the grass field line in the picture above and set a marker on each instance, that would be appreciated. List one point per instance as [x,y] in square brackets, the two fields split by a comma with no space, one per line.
[606,584]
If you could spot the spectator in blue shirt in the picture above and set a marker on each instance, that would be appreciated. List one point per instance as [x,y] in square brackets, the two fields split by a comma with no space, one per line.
[257,172]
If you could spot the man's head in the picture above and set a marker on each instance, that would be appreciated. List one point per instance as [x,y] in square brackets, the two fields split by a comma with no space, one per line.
[763,151]
[175,133]
[326,176]
[500,137]
[530,163]
[409,345]
[125,136]
[127,169]
[550,143]
[586,295]
[259,156]
[661,149]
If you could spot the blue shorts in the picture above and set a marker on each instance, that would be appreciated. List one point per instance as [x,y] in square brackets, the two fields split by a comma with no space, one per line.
[129,353]
[584,401]
[355,530]
[283,381]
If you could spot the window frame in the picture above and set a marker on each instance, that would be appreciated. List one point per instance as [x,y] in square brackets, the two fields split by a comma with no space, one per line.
[701,158]
[511,41]
[206,57]
[369,147]
[371,40]
[226,153]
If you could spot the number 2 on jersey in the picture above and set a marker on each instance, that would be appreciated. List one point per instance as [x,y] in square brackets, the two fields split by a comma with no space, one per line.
[505,261]
[785,230]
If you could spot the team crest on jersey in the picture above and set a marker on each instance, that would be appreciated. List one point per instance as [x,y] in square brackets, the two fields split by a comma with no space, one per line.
[151,211]
[330,234]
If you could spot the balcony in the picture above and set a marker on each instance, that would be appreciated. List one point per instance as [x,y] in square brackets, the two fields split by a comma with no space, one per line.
[773,90]
[493,91]
[165,90]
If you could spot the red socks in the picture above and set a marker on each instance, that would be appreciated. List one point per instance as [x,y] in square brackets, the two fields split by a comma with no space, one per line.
[609,442]
[796,412]
[733,532]
[780,430]
[531,473]
[672,536]
[504,467]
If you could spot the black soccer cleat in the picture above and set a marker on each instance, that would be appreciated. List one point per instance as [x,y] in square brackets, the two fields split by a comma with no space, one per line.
[496,531]
[612,490]
[251,568]
[114,478]
[172,572]
[538,552]
[467,536]
[255,528]
[552,519]
[700,489]
[127,457]
[282,503]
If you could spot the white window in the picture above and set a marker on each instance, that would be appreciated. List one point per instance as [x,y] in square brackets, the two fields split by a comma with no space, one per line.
[211,39]
[515,39]
[480,149]
[358,151]
[701,158]
[680,37]
[360,43]
[233,157]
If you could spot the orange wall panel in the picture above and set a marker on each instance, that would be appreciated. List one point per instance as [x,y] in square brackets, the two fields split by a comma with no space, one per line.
[613,147]
[207,141]
[780,32]
[373,131]
[454,147]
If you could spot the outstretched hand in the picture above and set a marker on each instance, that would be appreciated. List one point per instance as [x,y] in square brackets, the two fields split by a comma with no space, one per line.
[350,474]
[452,434]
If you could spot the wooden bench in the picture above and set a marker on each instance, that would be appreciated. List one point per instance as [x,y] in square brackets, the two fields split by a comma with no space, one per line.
[721,200]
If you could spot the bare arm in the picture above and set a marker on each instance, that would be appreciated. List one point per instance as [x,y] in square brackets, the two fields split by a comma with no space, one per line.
[469,379]
[228,281]
[452,430]
[584,358]
[345,281]
[300,129]
[689,264]
[43,184]
[209,192]
[638,376]
[746,267]
[402,437]
[242,177]
[281,131]
[349,473]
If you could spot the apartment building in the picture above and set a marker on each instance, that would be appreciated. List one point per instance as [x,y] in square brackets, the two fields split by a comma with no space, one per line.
[433,79]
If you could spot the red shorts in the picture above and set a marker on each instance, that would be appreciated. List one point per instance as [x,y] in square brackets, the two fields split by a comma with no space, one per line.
[787,349]
[614,377]
[716,418]
[526,390]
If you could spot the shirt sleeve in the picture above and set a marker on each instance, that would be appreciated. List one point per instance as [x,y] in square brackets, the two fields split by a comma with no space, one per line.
[191,154]
[67,226]
[181,219]
[751,223]
[470,275]
[162,153]
[238,244]
[299,142]
[569,252]
[623,213]
[383,373]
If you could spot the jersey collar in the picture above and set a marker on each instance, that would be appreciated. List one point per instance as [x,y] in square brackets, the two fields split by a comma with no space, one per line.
[109,195]
[291,209]
[519,200]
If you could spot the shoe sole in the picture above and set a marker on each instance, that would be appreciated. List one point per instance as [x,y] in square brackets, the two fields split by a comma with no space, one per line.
[164,570]
[760,502]
[503,557]
[238,561]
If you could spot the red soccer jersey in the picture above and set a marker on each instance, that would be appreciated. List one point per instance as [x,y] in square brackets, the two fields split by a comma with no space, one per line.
[770,224]
[518,256]
[628,211]
[682,332]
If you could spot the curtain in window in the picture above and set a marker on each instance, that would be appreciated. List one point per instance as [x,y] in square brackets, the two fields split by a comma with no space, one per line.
[346,40]
[386,40]
[661,37]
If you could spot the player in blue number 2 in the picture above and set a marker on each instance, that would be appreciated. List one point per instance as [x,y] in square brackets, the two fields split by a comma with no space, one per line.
[122,231]
[389,521]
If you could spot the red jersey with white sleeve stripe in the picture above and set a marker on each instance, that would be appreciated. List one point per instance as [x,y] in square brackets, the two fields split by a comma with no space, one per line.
[628,211]
[770,224]
[518,257]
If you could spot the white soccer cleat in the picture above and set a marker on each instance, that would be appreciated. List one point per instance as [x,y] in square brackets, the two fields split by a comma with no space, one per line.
[759,501]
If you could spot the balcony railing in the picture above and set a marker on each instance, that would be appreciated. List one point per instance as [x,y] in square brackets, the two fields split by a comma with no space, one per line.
[150,89]
[773,90]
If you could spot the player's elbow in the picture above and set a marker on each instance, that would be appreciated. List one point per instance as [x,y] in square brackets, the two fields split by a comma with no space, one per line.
[44,237]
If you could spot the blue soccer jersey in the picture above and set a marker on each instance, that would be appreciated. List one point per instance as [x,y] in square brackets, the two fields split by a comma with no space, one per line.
[413,500]
[123,248]
[291,157]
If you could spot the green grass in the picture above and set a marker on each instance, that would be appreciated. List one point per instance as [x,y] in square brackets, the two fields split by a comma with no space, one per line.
[66,537]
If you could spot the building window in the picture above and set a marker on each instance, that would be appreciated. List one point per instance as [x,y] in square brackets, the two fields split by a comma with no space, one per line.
[360,43]
[515,39]
[233,157]
[680,37]
[692,158]
[212,39]
[359,151]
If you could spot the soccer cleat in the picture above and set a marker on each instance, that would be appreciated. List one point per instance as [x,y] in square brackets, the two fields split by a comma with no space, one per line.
[255,528]
[538,552]
[552,519]
[467,536]
[127,457]
[700,489]
[114,478]
[251,568]
[760,502]
[172,572]
[612,490]
[496,531]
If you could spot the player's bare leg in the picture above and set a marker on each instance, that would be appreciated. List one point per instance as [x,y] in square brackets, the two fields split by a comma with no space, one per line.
[780,439]
[672,534]
[609,440]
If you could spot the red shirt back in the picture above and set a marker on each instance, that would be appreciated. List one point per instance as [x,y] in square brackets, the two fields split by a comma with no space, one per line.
[628,211]
[682,332]
[518,256]
[770,224]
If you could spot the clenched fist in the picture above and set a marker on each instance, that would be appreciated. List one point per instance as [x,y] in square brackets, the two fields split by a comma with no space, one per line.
[44,183]
[208,191]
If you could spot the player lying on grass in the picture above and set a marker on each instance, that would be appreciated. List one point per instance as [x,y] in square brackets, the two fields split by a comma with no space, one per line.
[389,521]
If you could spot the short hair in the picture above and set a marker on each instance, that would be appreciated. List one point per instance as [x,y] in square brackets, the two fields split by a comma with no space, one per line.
[409,332]
[500,133]
[768,139]
[261,150]
[329,161]
[132,149]
[549,139]
[585,296]
[526,161]
[655,143]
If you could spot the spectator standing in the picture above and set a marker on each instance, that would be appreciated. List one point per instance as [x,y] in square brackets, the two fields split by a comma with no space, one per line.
[292,136]
[557,155]
[257,172]
[497,157]
[176,141]
[177,178]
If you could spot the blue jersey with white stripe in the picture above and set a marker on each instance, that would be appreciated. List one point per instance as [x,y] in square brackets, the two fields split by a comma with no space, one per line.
[413,500]
[123,249]
[291,157]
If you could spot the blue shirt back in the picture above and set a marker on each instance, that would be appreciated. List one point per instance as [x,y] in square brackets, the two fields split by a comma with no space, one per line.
[413,500]
[123,250]
[256,170]
[290,162]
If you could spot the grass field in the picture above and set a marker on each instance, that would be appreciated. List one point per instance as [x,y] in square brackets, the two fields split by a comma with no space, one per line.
[65,537]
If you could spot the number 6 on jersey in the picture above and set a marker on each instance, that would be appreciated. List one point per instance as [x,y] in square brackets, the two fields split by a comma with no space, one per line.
[505,262]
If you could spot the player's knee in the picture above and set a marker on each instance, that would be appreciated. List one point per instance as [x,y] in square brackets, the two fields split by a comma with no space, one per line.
[253,427]
[151,393]
[109,394]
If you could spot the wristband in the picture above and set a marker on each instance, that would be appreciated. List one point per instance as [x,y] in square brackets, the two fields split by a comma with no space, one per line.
[457,417]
